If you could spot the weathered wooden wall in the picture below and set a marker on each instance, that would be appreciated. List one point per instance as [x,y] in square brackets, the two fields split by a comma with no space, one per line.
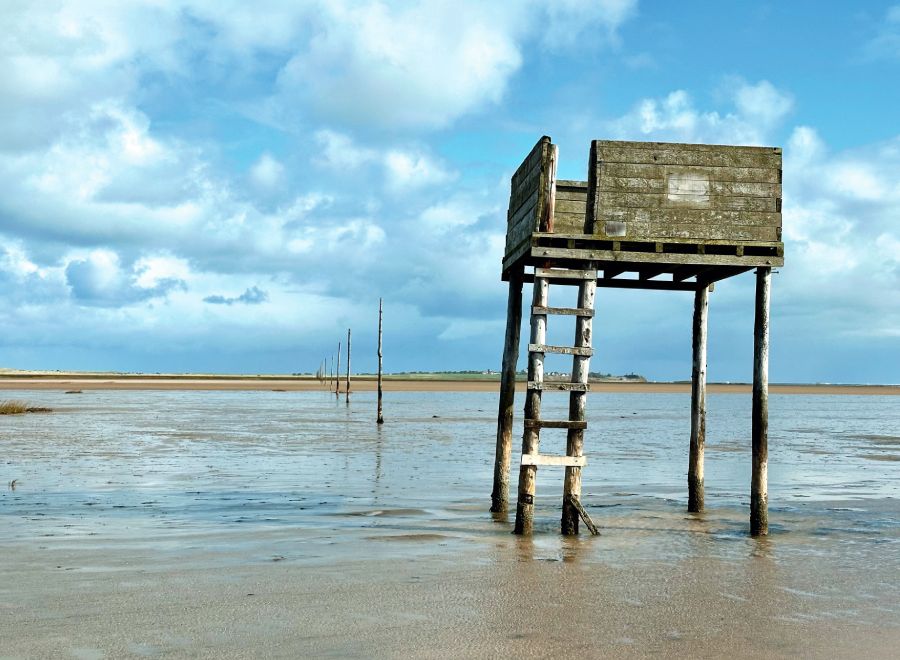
[569,211]
[527,198]
[695,192]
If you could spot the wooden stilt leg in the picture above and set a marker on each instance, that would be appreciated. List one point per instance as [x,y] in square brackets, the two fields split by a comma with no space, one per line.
[575,437]
[500,493]
[531,437]
[698,402]
[759,495]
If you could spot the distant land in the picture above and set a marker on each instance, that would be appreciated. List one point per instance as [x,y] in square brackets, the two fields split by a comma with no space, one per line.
[475,381]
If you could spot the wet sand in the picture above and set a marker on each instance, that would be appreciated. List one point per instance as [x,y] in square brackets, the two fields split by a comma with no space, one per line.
[286,524]
[391,384]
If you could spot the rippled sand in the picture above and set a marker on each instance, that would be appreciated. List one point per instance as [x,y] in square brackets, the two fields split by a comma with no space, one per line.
[287,524]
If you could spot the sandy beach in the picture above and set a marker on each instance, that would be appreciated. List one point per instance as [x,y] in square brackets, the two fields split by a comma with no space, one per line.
[223,524]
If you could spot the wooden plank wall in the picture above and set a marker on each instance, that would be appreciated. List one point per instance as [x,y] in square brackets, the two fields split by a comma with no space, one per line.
[683,192]
[568,215]
[527,196]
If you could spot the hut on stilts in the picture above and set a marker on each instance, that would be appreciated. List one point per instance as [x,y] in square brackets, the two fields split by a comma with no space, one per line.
[674,217]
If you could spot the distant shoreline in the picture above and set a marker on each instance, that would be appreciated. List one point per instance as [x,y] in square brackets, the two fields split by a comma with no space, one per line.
[367,383]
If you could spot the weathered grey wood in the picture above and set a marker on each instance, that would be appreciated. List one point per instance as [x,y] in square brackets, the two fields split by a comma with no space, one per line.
[337,373]
[577,400]
[698,402]
[575,502]
[554,424]
[564,350]
[651,285]
[644,185]
[565,274]
[611,170]
[689,146]
[543,459]
[348,367]
[688,155]
[500,492]
[759,489]
[583,240]
[562,387]
[647,285]
[653,257]
[550,193]
[531,436]
[659,218]
[528,195]
[663,200]
[563,311]
[380,417]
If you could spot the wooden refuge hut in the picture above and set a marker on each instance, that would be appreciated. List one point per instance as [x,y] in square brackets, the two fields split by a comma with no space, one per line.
[651,215]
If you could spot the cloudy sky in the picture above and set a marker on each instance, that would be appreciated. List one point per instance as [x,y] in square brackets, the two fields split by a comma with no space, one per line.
[228,186]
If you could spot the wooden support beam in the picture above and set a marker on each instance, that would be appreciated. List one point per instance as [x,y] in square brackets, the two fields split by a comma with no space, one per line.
[759,480]
[347,394]
[673,258]
[560,274]
[564,461]
[650,272]
[563,311]
[575,503]
[575,437]
[610,272]
[531,437]
[500,492]
[720,273]
[698,402]
[564,350]
[681,273]
[653,285]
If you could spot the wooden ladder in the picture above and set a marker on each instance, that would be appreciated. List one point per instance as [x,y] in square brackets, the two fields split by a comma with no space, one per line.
[581,352]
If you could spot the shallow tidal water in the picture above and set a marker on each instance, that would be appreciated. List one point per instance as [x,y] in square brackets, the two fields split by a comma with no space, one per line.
[234,524]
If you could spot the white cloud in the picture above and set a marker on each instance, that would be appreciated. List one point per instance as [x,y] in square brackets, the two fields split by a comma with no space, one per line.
[400,65]
[579,21]
[758,109]
[267,172]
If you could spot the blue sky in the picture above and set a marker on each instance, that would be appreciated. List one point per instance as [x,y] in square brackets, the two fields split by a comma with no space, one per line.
[228,186]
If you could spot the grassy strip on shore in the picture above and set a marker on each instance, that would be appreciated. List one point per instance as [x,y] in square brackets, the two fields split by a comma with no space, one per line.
[20,408]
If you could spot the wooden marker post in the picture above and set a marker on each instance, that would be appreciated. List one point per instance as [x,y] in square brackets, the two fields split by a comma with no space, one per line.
[581,366]
[348,365]
[500,493]
[531,437]
[337,373]
[380,419]
[759,480]
[698,402]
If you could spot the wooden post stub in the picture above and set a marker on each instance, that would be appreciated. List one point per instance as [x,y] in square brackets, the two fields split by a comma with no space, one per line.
[759,489]
[337,372]
[531,436]
[348,366]
[380,418]
[575,504]
[698,402]
[500,492]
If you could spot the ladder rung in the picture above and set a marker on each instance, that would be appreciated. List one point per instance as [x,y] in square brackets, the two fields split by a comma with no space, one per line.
[584,351]
[554,424]
[563,311]
[562,387]
[565,274]
[543,459]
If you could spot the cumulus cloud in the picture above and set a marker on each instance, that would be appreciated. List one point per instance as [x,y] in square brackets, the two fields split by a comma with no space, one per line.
[99,279]
[757,108]
[267,172]
[252,296]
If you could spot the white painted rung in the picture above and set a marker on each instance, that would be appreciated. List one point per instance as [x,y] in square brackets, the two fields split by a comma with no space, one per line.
[564,461]
[565,274]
